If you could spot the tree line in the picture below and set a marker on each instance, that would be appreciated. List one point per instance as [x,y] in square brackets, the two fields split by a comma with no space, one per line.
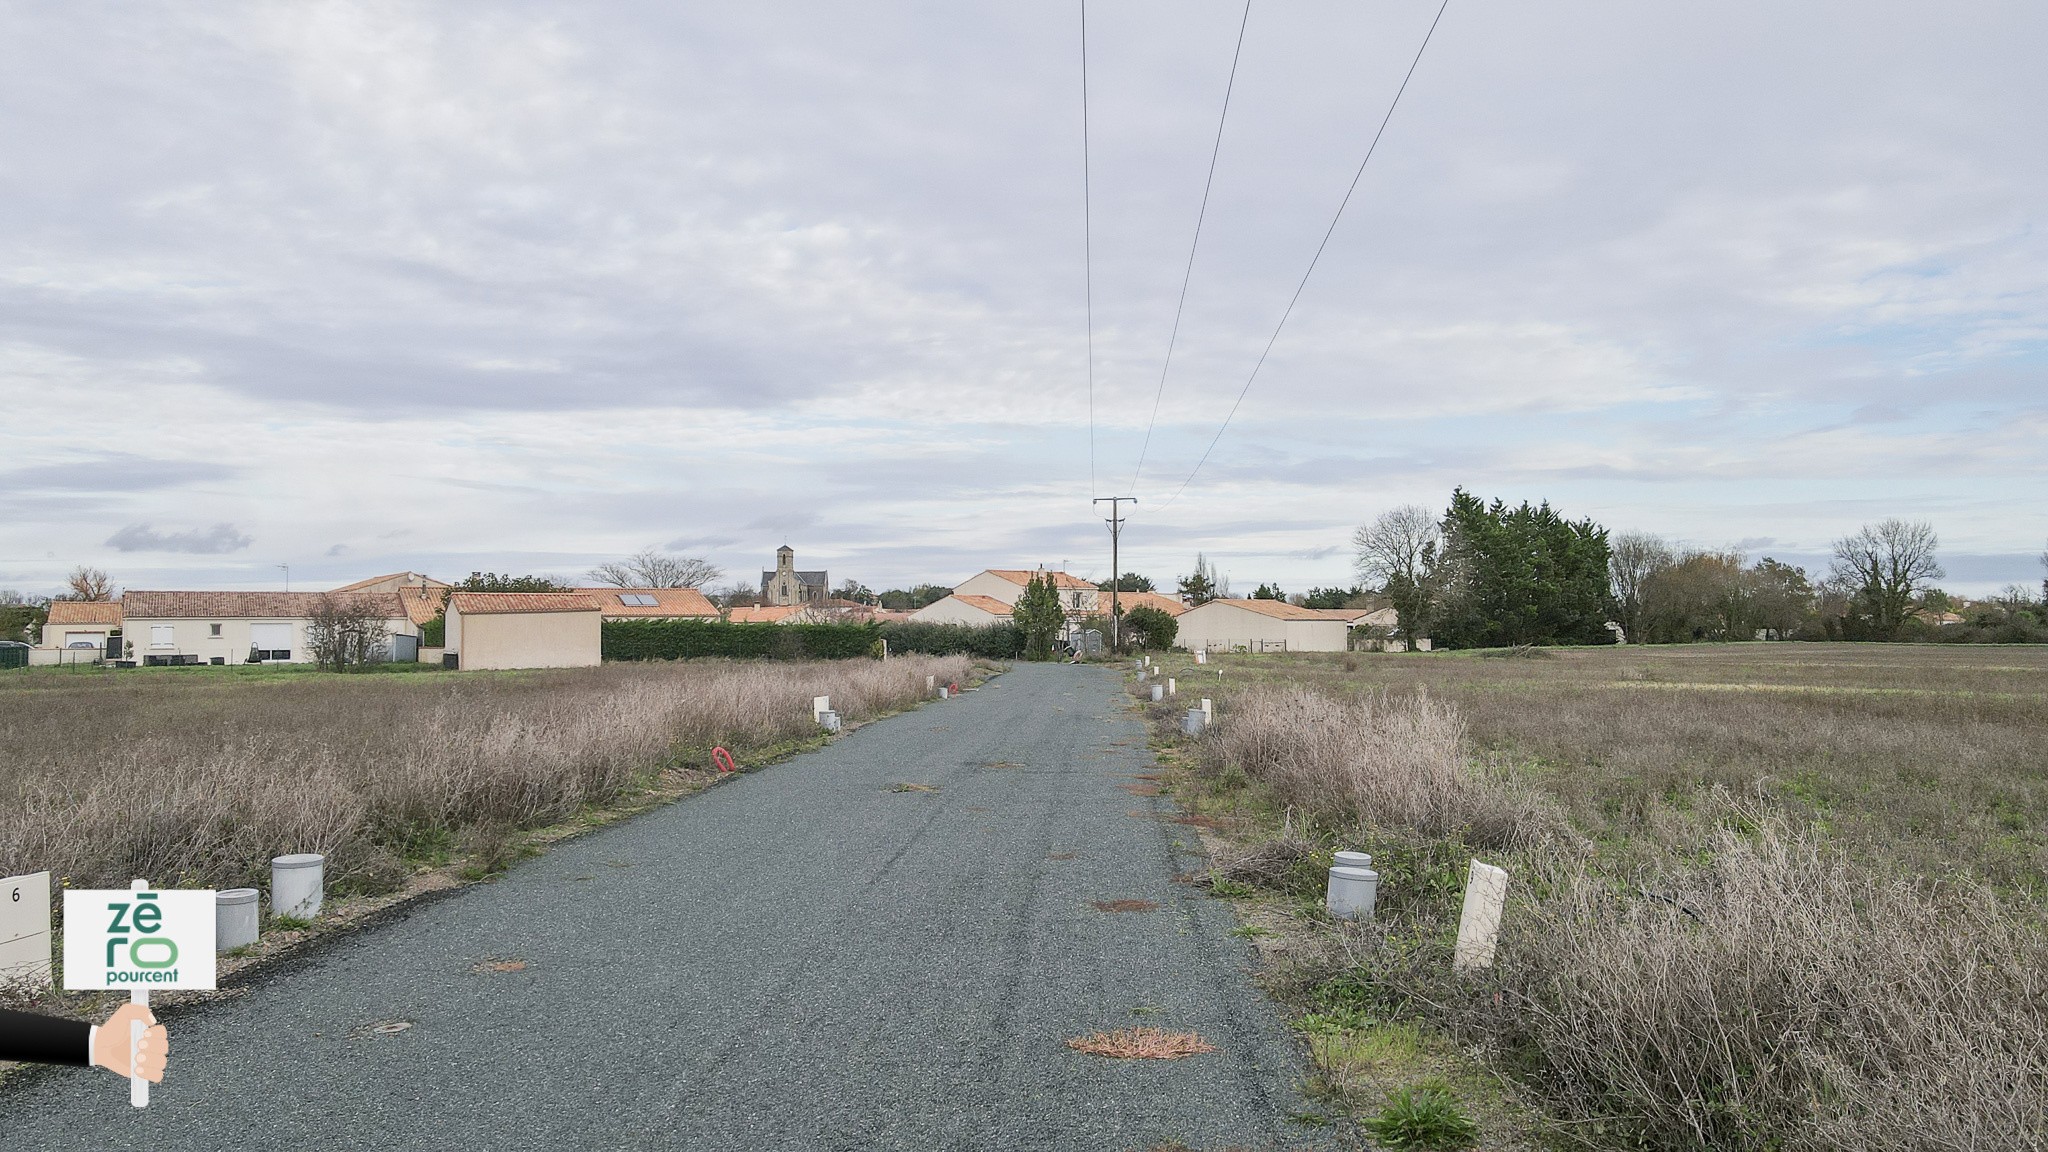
[1491,575]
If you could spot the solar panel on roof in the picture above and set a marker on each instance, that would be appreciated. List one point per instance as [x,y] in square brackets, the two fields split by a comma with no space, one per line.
[637,599]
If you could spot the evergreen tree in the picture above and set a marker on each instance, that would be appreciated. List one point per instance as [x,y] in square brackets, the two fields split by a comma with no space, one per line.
[1039,615]
[1521,575]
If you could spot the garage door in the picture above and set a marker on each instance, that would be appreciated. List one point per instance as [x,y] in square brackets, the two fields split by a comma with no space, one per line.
[271,641]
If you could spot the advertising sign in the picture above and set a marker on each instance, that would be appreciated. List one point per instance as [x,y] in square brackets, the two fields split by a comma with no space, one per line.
[147,941]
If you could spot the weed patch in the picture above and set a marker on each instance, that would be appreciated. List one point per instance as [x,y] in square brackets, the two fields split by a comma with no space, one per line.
[1141,1044]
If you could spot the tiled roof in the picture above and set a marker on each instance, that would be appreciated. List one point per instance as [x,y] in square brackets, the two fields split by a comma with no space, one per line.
[422,604]
[1282,610]
[987,604]
[763,613]
[505,603]
[1021,576]
[138,605]
[668,602]
[1170,605]
[815,579]
[85,612]
[405,579]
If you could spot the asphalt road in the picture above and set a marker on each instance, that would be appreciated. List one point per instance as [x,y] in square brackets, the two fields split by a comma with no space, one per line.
[802,958]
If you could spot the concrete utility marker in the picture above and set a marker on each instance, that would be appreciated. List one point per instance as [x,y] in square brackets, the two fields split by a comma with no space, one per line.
[1486,893]
[1353,887]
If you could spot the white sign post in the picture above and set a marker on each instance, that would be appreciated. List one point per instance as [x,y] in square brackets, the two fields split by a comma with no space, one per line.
[25,929]
[819,706]
[139,940]
[1486,891]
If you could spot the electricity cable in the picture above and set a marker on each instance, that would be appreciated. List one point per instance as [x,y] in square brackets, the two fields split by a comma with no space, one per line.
[1331,231]
[1188,275]
[1088,248]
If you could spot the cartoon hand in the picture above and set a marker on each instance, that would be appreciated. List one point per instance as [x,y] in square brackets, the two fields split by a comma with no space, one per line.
[110,1044]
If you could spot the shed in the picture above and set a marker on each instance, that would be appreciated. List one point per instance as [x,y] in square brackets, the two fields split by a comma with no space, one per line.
[1263,626]
[524,630]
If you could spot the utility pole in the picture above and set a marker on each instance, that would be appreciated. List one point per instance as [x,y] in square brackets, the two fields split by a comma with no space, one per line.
[1116,572]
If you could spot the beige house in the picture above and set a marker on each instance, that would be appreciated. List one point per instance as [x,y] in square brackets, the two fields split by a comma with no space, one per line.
[1125,601]
[1263,626]
[1077,596]
[74,624]
[965,608]
[524,630]
[237,627]
[396,582]
[651,603]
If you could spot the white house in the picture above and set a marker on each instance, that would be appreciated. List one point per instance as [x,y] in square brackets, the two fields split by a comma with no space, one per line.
[1006,585]
[80,623]
[235,627]
[972,610]
[1263,626]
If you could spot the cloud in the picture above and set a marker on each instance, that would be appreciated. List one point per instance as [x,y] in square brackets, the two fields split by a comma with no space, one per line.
[338,550]
[221,538]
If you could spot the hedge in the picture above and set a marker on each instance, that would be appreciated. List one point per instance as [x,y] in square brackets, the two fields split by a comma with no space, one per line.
[992,642]
[681,639]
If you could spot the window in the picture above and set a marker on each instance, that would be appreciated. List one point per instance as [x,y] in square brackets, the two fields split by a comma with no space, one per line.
[213,630]
[271,641]
[163,636]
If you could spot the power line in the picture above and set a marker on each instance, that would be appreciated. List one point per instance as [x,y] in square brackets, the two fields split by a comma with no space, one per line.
[1188,275]
[1088,247]
[1331,231]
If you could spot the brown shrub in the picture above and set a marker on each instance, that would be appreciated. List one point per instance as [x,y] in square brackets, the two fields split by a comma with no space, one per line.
[1379,761]
[200,779]
[1781,997]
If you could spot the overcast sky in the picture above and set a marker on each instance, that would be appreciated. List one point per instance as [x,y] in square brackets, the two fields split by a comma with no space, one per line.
[359,287]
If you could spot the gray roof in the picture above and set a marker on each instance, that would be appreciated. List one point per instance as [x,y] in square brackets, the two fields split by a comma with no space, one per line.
[817,578]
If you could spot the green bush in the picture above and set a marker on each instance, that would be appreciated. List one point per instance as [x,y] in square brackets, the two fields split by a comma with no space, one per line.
[683,639]
[434,633]
[1149,627]
[1424,1116]
[993,642]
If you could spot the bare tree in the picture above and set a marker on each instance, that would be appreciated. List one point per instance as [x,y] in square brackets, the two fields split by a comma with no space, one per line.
[1632,558]
[2044,577]
[348,630]
[649,568]
[1398,554]
[89,584]
[1887,565]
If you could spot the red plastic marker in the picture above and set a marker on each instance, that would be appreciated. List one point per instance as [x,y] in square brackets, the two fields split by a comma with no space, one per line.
[722,760]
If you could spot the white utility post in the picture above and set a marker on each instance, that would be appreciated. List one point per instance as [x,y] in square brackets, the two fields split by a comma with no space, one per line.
[1486,892]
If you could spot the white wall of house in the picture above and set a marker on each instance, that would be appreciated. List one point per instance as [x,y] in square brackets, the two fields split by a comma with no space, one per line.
[990,585]
[230,639]
[953,610]
[1225,625]
[1077,601]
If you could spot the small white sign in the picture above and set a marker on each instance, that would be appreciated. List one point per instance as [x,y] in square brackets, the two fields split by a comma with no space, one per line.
[1201,655]
[819,706]
[150,941]
[25,929]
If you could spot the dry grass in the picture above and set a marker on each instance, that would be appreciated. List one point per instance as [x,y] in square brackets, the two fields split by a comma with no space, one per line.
[1930,755]
[1850,957]
[199,777]
[1375,762]
[1780,997]
[1141,1044]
